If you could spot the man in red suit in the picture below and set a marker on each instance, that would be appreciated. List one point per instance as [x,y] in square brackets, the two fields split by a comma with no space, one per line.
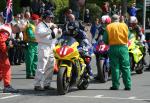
[5,70]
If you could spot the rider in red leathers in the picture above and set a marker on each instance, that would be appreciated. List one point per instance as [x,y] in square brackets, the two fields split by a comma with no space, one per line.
[5,71]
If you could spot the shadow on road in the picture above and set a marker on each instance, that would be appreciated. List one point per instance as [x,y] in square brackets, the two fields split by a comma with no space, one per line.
[31,92]
[147,100]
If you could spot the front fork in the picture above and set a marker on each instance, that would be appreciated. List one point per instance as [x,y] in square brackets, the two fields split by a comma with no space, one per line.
[106,62]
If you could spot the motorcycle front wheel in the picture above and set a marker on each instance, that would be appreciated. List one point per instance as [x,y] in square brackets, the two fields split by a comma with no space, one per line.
[63,84]
[102,73]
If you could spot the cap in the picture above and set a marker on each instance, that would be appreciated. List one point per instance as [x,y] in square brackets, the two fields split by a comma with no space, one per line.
[35,17]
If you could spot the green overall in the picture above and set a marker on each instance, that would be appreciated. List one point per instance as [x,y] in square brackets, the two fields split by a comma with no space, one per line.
[116,36]
[31,51]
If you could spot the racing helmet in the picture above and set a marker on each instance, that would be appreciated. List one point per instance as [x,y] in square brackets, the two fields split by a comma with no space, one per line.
[105,19]
[133,20]
[72,28]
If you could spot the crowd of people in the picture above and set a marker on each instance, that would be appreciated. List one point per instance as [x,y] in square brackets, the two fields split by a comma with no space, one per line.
[31,37]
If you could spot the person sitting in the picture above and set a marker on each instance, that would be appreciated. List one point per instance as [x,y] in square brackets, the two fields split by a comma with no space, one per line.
[74,31]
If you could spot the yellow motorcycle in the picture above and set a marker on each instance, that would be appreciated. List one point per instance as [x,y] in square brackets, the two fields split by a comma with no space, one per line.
[71,67]
[135,54]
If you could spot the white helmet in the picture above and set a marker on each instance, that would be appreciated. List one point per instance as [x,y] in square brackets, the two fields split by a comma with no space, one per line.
[106,19]
[133,19]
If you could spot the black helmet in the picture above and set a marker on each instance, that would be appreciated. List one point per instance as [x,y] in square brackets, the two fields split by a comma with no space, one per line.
[72,26]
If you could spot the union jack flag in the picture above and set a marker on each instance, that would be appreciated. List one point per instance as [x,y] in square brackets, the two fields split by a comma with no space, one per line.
[8,11]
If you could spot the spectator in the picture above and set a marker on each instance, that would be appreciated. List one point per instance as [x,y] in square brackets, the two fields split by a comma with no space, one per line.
[66,14]
[132,10]
[25,4]
[116,36]
[119,10]
[49,5]
[1,18]
[11,46]
[95,29]
[114,10]
[42,8]
[75,8]
[35,6]
[27,18]
[87,17]
[148,23]
[105,8]
[17,47]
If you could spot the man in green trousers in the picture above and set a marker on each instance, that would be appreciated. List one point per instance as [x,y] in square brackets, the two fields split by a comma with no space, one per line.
[116,36]
[31,50]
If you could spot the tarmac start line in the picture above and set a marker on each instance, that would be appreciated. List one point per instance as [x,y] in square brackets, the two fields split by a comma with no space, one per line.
[93,97]
[11,96]
[115,98]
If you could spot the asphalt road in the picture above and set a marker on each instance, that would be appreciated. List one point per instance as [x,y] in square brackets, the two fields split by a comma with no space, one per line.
[96,92]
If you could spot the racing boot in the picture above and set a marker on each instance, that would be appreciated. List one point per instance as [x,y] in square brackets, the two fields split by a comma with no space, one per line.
[10,89]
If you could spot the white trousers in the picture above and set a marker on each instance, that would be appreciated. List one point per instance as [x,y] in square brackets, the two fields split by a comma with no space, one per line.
[44,72]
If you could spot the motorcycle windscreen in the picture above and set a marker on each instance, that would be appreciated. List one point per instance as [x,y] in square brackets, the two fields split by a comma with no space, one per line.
[66,40]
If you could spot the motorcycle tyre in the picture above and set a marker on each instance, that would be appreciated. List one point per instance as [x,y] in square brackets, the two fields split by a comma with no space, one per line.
[140,70]
[84,84]
[132,64]
[62,83]
[103,75]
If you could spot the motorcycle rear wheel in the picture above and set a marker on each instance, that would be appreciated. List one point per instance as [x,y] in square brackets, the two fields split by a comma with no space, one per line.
[83,85]
[132,64]
[140,67]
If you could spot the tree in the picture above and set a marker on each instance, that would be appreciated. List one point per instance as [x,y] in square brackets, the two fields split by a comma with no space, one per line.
[124,7]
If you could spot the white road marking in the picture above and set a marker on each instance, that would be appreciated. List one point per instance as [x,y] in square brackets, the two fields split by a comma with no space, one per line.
[103,97]
[78,96]
[4,93]
[98,96]
[132,98]
[12,96]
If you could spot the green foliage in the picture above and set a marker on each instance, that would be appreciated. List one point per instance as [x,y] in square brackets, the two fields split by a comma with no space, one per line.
[16,6]
[95,10]
[61,5]
[100,2]
[3,5]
